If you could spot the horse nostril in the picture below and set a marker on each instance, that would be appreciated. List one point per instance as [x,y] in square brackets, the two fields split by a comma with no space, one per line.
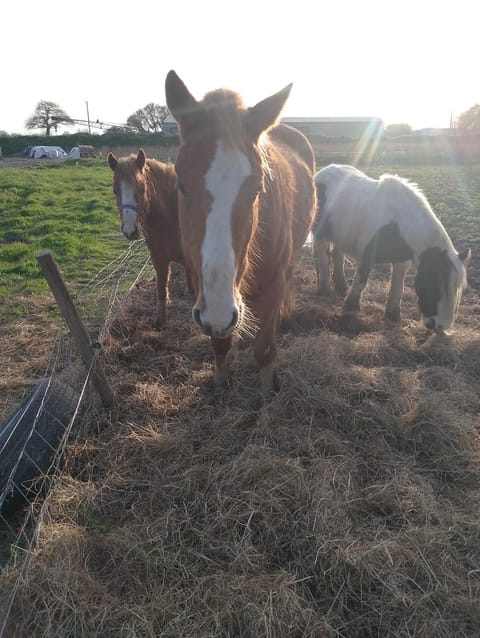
[197,318]
[234,321]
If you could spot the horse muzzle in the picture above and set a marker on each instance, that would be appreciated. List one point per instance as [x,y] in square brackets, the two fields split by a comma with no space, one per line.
[134,234]
[217,329]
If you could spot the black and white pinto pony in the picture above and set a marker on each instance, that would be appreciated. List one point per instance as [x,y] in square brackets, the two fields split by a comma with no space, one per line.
[385,220]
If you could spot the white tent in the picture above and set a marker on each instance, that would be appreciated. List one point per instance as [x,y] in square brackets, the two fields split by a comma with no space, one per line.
[40,152]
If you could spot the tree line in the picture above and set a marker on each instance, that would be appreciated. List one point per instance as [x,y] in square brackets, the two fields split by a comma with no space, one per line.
[149,119]
[48,116]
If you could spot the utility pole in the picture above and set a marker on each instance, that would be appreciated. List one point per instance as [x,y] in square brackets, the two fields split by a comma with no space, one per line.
[88,117]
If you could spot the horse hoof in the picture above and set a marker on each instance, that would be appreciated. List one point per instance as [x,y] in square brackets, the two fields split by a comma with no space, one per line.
[351,306]
[349,323]
[393,315]
[269,383]
[340,285]
[221,378]
[324,292]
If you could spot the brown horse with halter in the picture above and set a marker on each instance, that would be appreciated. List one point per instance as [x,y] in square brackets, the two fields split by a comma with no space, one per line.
[246,204]
[147,201]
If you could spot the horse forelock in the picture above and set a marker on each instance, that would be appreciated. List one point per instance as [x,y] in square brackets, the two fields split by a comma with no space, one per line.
[226,114]
[127,170]
[454,280]
[440,275]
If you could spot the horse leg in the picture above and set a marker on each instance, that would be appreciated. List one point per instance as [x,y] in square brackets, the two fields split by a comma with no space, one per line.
[264,346]
[221,348]
[265,351]
[338,271]
[321,255]
[163,275]
[352,302]
[392,309]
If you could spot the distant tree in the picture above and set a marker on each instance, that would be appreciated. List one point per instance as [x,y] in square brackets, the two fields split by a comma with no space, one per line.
[392,130]
[470,120]
[149,119]
[48,115]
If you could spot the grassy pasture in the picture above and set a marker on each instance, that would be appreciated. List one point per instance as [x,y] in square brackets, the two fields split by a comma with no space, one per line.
[349,506]
[67,209]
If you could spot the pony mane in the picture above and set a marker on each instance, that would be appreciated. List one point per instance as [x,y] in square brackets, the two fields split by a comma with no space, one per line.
[397,186]
[404,186]
[160,185]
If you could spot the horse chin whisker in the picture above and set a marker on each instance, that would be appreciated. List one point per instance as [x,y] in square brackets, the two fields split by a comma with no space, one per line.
[247,323]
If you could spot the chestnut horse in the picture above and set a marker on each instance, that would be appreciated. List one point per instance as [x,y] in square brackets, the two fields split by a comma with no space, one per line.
[147,200]
[246,204]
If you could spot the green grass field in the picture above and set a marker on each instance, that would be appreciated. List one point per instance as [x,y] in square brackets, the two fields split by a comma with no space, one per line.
[66,209]
[69,210]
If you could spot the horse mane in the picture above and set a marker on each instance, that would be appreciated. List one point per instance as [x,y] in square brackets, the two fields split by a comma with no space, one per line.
[394,185]
[296,140]
[404,186]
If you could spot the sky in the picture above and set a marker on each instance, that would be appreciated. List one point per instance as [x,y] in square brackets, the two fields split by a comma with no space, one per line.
[413,62]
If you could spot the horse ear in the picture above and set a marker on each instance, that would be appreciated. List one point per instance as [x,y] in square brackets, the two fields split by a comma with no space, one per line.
[180,101]
[465,256]
[265,114]
[141,159]
[112,161]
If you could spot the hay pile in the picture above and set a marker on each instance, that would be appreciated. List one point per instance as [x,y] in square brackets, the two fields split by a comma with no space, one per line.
[348,506]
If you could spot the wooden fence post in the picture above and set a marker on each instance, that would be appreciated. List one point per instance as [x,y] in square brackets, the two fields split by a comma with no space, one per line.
[77,328]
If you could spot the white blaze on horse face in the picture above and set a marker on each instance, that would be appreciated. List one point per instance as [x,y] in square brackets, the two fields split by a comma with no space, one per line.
[128,206]
[223,180]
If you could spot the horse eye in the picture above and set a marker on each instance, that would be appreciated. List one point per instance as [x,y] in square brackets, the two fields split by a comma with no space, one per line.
[181,188]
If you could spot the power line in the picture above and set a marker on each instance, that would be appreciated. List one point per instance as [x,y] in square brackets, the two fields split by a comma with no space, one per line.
[89,123]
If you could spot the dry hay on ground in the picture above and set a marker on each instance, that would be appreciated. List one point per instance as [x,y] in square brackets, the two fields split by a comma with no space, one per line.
[347,506]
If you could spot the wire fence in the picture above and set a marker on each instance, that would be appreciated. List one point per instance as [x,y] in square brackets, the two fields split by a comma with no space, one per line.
[99,302]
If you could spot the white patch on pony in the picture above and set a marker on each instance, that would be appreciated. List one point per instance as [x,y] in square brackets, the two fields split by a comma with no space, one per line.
[356,207]
[129,215]
[223,180]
